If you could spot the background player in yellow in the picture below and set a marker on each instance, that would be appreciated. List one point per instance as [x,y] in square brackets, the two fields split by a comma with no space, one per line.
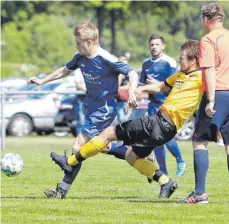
[146,133]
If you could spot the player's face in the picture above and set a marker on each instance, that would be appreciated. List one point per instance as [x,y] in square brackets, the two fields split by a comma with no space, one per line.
[156,47]
[185,64]
[82,46]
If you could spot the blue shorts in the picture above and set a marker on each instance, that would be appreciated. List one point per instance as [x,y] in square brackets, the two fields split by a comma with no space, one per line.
[100,114]
[206,128]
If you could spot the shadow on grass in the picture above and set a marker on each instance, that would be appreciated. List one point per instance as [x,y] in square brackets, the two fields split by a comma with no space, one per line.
[132,199]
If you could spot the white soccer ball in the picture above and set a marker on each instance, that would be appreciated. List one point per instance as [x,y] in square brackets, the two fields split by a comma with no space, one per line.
[11,164]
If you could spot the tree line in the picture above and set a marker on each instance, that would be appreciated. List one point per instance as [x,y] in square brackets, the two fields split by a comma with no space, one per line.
[39,33]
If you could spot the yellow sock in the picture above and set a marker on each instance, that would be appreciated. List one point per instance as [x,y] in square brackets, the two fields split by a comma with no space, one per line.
[93,147]
[163,179]
[145,167]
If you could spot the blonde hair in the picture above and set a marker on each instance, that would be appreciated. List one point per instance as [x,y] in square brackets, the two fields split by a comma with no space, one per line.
[87,31]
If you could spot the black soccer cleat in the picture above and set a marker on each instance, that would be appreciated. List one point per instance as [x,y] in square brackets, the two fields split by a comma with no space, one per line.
[56,193]
[61,161]
[167,189]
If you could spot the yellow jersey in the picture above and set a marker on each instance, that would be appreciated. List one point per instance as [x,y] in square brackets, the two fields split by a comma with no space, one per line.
[185,96]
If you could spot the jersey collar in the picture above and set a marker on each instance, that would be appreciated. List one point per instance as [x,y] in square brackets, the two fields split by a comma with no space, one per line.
[192,71]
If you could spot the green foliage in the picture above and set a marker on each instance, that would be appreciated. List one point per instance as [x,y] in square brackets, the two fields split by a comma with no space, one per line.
[49,42]
[40,32]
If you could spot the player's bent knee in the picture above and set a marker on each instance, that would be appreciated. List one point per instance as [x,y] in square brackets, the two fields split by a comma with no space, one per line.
[75,148]
[131,157]
[199,145]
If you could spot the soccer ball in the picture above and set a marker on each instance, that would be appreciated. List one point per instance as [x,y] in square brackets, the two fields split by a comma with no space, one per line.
[11,164]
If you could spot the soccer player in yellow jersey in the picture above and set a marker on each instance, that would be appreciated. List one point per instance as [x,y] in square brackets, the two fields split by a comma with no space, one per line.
[141,135]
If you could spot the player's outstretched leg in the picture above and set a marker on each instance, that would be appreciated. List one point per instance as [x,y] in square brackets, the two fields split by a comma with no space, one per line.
[151,171]
[92,148]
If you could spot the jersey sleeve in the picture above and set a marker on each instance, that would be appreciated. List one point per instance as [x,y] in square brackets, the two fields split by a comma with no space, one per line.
[73,64]
[172,70]
[120,67]
[171,80]
[206,53]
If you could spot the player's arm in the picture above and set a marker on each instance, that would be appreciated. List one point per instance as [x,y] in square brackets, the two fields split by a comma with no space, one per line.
[58,74]
[152,88]
[133,83]
[156,86]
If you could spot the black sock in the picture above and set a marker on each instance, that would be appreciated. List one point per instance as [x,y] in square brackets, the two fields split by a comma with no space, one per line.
[201,164]
[119,152]
[70,177]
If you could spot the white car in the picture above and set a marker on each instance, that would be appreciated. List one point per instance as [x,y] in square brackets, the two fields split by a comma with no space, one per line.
[37,112]
[187,131]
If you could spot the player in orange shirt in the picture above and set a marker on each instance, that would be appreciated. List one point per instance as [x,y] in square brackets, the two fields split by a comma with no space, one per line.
[213,113]
[144,134]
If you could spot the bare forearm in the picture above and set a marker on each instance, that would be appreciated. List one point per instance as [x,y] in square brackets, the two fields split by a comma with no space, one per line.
[210,81]
[133,81]
[58,74]
[153,88]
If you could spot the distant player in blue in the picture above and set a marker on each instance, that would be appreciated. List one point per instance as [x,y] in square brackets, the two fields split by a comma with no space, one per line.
[100,70]
[159,67]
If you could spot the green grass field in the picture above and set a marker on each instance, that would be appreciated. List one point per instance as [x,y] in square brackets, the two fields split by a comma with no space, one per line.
[107,190]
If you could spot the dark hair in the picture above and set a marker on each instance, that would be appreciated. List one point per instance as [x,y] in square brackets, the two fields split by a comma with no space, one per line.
[156,36]
[191,47]
[213,12]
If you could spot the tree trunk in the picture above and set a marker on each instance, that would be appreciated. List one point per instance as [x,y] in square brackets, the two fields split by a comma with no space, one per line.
[100,18]
[113,31]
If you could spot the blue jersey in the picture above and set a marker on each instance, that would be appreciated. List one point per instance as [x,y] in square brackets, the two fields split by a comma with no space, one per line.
[160,69]
[100,72]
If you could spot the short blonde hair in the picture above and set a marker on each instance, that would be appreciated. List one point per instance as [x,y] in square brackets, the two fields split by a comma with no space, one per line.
[87,31]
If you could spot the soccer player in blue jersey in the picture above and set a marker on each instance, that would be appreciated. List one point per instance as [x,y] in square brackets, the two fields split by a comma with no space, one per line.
[100,70]
[159,67]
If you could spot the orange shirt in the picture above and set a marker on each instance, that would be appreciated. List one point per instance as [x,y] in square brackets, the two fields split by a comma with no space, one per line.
[214,52]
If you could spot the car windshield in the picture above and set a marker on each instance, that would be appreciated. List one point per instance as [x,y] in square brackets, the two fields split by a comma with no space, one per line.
[45,87]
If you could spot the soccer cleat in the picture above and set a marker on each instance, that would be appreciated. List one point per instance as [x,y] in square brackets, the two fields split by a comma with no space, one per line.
[167,189]
[56,193]
[195,199]
[181,168]
[61,161]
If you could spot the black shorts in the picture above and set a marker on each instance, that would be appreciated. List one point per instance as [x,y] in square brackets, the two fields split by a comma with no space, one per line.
[206,128]
[144,134]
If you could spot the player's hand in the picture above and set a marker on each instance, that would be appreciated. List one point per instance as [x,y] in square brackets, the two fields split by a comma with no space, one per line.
[209,110]
[132,101]
[151,80]
[35,80]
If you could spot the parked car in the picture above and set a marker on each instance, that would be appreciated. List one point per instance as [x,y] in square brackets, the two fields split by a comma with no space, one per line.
[187,131]
[70,116]
[35,113]
[12,83]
